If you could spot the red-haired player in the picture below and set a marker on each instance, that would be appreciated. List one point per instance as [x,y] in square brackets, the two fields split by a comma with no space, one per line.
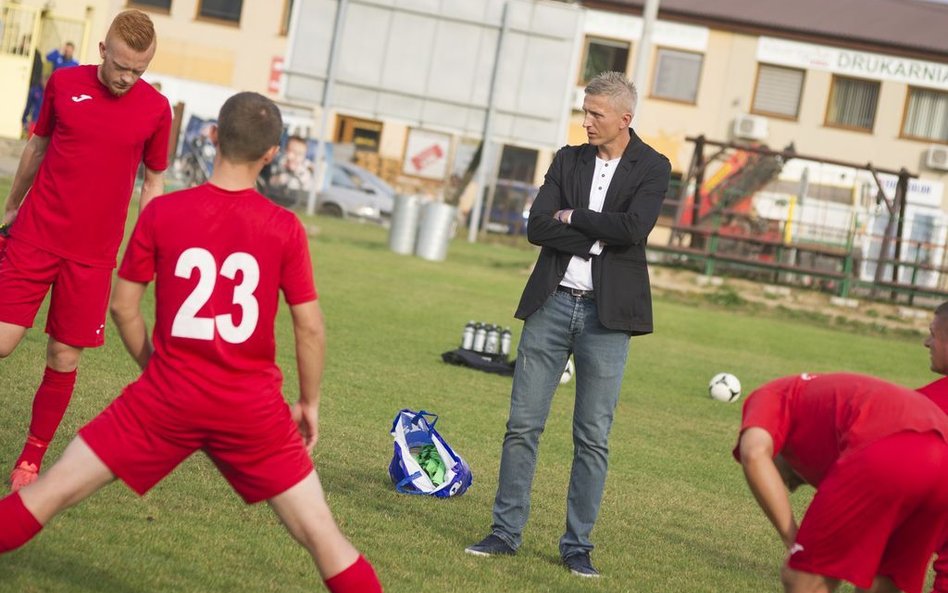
[67,208]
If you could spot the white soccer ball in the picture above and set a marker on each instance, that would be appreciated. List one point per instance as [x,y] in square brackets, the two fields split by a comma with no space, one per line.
[724,387]
[567,372]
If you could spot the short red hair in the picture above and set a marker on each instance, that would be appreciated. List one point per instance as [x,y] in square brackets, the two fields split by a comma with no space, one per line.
[135,28]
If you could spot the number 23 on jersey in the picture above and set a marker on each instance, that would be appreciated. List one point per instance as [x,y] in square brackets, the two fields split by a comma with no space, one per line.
[187,323]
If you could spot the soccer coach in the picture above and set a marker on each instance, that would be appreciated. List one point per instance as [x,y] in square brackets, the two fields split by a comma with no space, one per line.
[588,294]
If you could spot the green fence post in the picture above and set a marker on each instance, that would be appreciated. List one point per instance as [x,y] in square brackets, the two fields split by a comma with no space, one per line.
[712,247]
[846,284]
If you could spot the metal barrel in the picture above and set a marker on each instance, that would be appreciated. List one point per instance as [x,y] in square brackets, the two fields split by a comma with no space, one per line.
[404,229]
[438,222]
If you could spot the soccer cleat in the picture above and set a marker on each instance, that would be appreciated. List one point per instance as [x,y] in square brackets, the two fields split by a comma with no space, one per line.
[491,545]
[23,475]
[580,565]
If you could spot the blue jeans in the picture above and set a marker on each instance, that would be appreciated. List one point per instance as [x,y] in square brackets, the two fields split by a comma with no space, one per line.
[564,324]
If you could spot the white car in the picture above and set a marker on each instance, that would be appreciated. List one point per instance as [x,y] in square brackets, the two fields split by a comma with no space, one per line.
[353,191]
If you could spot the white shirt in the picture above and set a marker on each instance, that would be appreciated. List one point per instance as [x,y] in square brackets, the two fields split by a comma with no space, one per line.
[579,272]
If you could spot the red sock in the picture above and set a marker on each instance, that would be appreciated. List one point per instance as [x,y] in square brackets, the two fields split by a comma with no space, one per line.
[19,525]
[49,407]
[358,578]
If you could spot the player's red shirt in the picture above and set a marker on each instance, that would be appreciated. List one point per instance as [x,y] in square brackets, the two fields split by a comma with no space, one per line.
[79,199]
[219,259]
[816,419]
[937,391]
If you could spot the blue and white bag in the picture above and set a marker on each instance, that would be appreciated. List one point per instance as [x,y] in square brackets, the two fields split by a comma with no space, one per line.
[413,431]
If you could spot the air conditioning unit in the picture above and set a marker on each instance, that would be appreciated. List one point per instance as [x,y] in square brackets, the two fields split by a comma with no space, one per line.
[936,157]
[750,127]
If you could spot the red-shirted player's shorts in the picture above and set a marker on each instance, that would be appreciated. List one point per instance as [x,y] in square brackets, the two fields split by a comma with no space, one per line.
[880,510]
[142,439]
[80,294]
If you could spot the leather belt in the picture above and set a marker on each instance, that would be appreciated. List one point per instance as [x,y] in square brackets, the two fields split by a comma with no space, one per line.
[582,294]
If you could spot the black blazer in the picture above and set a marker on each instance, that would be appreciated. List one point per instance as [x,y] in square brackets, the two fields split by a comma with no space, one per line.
[631,207]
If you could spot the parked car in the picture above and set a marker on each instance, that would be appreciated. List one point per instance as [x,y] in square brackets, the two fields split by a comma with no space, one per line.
[351,191]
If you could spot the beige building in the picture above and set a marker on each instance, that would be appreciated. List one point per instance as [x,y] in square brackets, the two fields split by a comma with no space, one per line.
[210,49]
[875,92]
[809,74]
[872,89]
[207,49]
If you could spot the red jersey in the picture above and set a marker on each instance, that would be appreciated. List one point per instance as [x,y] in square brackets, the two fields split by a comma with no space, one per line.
[219,259]
[937,391]
[816,419]
[77,206]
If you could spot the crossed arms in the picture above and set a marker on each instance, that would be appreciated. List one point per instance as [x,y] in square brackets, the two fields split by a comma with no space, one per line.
[554,224]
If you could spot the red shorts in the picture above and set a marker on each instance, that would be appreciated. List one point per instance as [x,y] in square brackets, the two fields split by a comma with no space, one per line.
[141,438]
[80,294]
[880,510]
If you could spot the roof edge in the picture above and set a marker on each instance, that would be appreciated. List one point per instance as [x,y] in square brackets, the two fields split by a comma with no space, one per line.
[739,26]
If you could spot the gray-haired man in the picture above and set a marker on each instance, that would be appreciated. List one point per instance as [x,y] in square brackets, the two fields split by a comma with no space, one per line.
[588,294]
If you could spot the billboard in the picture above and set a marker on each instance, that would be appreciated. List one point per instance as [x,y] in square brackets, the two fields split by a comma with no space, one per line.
[429,64]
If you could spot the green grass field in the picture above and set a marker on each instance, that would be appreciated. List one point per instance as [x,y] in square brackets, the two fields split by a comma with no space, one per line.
[676,516]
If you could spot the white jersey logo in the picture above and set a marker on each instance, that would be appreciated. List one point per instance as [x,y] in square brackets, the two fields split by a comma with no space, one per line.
[795,548]
[81,98]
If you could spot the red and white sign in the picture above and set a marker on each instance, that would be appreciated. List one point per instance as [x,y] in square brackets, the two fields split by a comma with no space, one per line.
[427,157]
[276,73]
[426,154]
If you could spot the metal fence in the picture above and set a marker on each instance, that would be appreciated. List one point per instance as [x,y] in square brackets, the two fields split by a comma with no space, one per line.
[835,244]
[19,29]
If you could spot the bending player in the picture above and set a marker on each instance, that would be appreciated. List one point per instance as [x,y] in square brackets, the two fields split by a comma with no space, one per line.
[67,208]
[875,520]
[220,254]
[937,391]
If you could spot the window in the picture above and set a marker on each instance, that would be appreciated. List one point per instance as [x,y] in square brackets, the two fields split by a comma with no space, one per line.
[518,164]
[604,55]
[223,10]
[676,75]
[852,103]
[159,4]
[342,178]
[287,13]
[364,134]
[926,115]
[778,91]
